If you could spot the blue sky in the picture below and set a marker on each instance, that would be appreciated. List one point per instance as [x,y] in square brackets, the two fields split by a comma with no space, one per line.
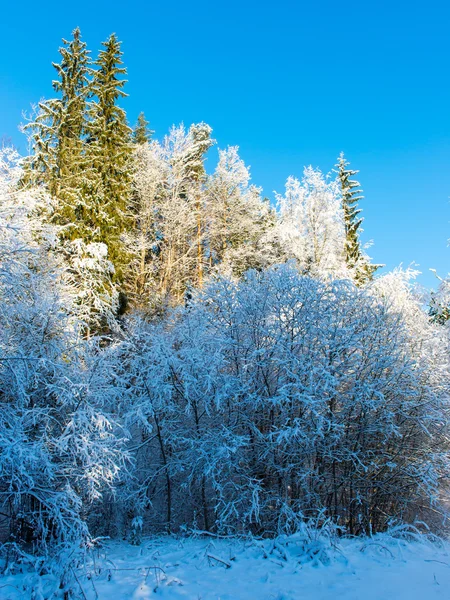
[291,83]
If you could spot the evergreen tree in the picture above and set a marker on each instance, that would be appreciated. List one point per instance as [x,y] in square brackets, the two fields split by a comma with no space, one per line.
[438,313]
[141,132]
[356,259]
[58,130]
[109,150]
[439,310]
[73,87]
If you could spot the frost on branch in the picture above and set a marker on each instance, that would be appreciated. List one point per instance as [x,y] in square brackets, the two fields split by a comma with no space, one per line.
[59,443]
[281,395]
[311,224]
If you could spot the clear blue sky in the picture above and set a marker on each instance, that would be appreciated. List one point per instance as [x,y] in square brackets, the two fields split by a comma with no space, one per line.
[291,83]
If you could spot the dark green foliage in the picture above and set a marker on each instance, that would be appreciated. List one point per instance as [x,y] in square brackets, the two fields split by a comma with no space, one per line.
[108,150]
[357,261]
[439,311]
[141,132]
[82,149]
[58,130]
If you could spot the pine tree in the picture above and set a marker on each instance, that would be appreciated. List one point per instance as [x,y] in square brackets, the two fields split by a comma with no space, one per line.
[439,309]
[141,132]
[73,86]
[58,130]
[438,313]
[109,150]
[357,261]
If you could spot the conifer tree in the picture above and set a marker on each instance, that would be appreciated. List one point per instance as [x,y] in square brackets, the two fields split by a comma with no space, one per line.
[439,309]
[109,150]
[58,130]
[357,261]
[141,132]
[438,313]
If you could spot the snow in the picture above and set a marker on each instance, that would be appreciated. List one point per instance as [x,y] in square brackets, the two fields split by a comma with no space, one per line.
[378,568]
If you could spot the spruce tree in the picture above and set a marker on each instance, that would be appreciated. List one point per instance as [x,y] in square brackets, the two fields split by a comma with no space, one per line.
[141,132]
[357,261]
[439,309]
[109,150]
[58,130]
[438,312]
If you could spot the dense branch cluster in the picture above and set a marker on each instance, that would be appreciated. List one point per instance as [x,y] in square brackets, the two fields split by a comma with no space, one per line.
[280,395]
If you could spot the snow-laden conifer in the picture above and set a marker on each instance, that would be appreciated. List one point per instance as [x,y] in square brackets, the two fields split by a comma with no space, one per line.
[108,151]
[58,131]
[358,262]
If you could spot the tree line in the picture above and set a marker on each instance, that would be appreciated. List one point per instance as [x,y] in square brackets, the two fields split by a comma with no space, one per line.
[166,223]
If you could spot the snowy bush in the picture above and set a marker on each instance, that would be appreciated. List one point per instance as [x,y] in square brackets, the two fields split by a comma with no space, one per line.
[282,396]
[59,443]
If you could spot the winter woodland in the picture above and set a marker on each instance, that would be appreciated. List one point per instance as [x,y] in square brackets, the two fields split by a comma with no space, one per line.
[179,354]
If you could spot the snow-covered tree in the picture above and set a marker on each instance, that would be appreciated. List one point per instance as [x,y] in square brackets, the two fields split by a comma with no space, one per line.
[311,224]
[109,150]
[357,261]
[149,410]
[58,442]
[237,217]
[96,300]
[282,396]
[440,301]
[191,163]
[57,133]
[149,183]
[170,212]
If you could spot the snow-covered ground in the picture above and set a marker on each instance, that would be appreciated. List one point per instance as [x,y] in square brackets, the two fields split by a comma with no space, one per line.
[380,568]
